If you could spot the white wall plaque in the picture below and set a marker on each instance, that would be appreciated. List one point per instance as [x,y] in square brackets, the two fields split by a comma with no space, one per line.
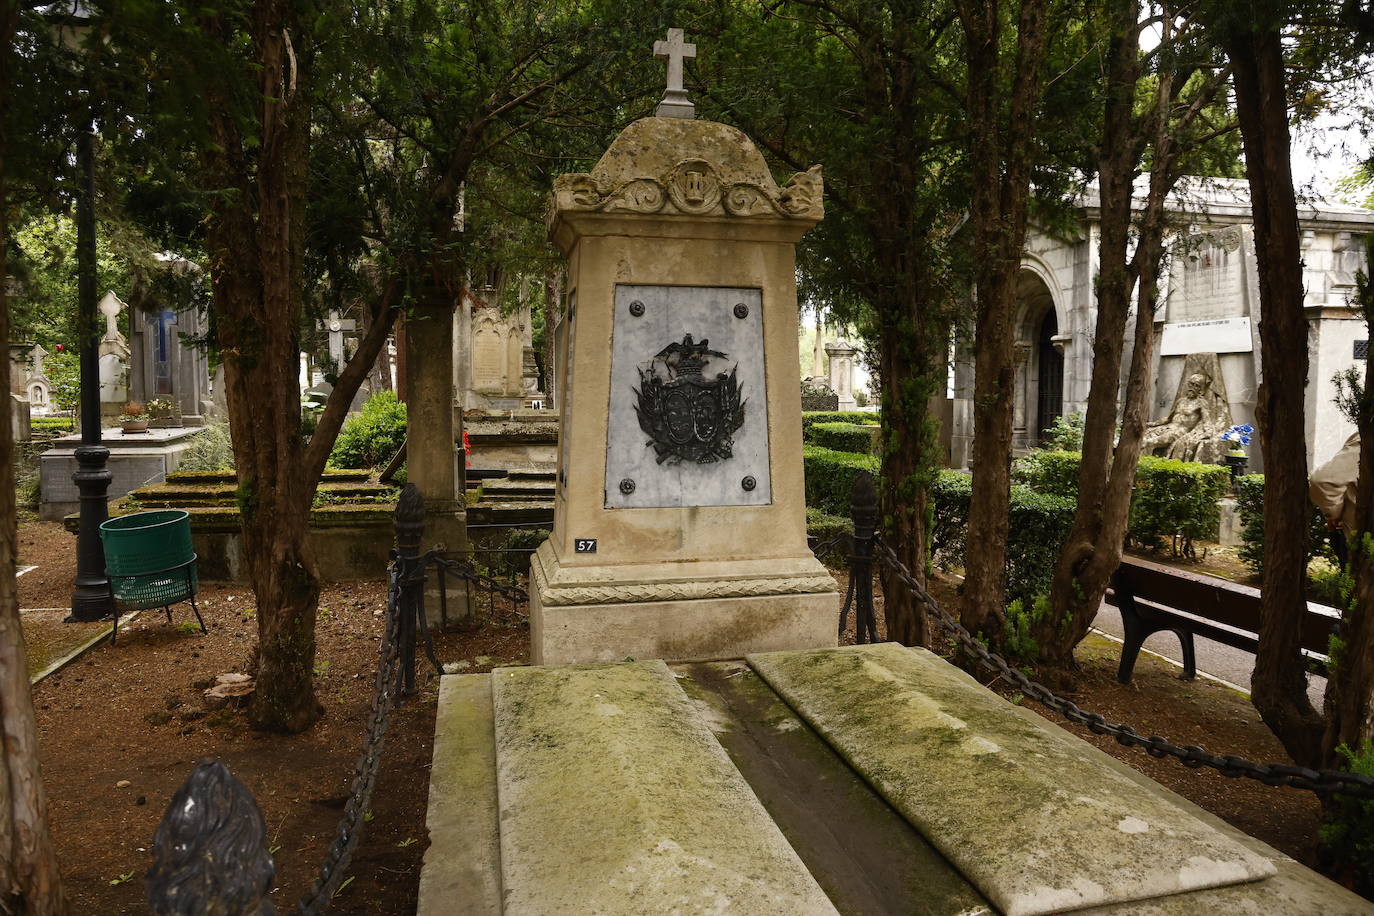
[688,423]
[1219,335]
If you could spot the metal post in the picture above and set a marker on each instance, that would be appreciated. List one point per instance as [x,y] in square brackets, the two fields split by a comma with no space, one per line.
[410,528]
[91,591]
[863,509]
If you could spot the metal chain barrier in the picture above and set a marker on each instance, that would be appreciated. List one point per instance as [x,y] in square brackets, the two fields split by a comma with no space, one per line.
[1273,774]
[387,686]
[464,571]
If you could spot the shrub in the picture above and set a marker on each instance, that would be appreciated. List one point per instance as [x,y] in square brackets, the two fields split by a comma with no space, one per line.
[1331,584]
[811,417]
[1065,434]
[949,498]
[843,437]
[1050,472]
[53,424]
[1175,502]
[823,527]
[372,435]
[1250,505]
[1039,522]
[63,370]
[1348,834]
[211,449]
[830,477]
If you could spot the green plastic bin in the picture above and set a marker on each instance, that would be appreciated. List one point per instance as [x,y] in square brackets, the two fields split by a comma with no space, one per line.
[149,558]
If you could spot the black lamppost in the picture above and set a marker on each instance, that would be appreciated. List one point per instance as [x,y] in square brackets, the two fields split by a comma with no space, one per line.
[73,20]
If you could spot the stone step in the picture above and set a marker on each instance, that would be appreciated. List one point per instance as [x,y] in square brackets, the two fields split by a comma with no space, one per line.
[523,512]
[180,493]
[518,489]
[615,798]
[550,475]
[1036,824]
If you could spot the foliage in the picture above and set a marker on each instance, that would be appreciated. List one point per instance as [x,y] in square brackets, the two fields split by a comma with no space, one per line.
[949,497]
[1018,641]
[1065,434]
[1053,472]
[161,408]
[1038,524]
[1250,505]
[63,369]
[830,477]
[1175,503]
[1349,393]
[843,437]
[811,417]
[1331,584]
[1348,832]
[52,424]
[822,527]
[372,436]
[210,449]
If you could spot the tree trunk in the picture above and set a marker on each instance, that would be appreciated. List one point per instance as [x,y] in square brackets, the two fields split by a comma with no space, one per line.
[1001,157]
[909,373]
[1279,682]
[30,884]
[1350,684]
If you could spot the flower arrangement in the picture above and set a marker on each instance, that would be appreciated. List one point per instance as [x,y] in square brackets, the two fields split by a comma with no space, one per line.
[133,410]
[1239,437]
[160,407]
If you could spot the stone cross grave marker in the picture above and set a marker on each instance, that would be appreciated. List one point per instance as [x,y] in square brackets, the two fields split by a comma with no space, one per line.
[336,325]
[675,103]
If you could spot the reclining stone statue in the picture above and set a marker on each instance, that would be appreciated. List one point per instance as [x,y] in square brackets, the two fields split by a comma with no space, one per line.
[1201,413]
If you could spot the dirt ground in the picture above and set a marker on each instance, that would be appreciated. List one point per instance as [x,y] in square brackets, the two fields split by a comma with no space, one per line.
[133,713]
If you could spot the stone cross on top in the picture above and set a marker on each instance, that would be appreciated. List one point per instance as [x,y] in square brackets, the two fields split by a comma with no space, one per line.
[675,103]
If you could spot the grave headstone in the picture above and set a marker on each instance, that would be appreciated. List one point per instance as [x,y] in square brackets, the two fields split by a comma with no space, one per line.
[680,518]
[841,354]
[114,358]
[37,388]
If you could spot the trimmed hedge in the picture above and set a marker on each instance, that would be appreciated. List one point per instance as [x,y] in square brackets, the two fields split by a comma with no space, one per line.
[830,477]
[811,417]
[1039,521]
[1055,473]
[1175,502]
[823,527]
[1250,505]
[843,437]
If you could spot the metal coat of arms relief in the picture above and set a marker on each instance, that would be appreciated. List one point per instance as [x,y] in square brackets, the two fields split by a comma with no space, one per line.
[689,413]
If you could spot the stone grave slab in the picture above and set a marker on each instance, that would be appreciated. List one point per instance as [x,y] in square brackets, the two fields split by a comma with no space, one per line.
[1031,821]
[616,798]
[463,861]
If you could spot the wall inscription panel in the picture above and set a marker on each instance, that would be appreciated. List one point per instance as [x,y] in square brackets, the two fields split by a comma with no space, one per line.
[688,408]
[1208,277]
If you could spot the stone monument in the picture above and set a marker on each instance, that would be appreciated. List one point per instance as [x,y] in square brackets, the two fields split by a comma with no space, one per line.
[114,358]
[1200,413]
[680,518]
[164,366]
[37,390]
[841,354]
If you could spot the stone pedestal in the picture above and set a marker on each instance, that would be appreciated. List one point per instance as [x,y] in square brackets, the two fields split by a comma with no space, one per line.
[680,518]
[841,355]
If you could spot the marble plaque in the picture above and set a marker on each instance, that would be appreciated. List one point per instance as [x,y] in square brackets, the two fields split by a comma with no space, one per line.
[1220,335]
[688,422]
[1208,277]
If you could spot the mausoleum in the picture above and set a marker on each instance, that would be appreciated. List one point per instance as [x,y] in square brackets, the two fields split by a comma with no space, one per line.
[1209,304]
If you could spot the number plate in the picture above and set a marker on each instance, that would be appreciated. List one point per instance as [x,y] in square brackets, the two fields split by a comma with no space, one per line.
[584,545]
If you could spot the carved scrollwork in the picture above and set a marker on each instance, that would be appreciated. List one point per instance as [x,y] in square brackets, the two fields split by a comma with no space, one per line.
[693,187]
[642,195]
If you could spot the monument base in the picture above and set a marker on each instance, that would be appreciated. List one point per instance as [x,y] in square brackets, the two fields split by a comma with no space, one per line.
[727,610]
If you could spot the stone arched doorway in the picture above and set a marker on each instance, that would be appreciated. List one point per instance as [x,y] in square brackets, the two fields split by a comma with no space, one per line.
[1039,362]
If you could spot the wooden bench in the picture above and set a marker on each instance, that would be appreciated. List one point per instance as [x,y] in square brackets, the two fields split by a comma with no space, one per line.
[1153,597]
